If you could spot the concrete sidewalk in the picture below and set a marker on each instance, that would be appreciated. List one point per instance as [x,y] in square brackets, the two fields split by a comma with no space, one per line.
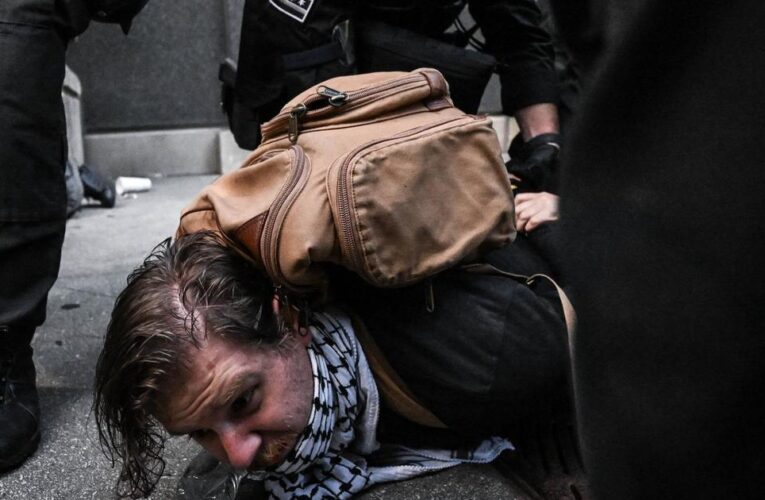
[101,248]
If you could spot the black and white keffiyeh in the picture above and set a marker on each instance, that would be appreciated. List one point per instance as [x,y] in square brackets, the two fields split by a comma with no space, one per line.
[338,455]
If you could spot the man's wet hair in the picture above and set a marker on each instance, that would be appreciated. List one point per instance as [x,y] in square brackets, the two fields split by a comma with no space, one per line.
[183,292]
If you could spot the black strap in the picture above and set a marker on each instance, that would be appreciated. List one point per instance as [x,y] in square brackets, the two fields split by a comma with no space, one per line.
[314,57]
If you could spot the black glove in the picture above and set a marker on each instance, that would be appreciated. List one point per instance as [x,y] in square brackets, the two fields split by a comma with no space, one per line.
[535,162]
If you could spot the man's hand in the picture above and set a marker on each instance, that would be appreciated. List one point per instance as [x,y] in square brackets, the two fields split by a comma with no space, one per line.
[535,209]
[535,161]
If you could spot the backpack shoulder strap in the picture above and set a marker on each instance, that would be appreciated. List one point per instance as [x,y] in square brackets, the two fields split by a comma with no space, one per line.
[392,388]
[569,313]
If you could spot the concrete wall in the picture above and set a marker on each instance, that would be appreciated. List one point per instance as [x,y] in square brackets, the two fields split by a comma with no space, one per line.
[162,75]
[151,100]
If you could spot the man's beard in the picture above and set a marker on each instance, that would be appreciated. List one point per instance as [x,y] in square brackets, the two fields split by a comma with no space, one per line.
[274,450]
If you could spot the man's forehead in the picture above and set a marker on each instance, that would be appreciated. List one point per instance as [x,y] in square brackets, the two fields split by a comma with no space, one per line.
[216,365]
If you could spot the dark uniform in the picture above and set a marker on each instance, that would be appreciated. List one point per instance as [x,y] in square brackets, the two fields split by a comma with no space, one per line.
[33,39]
[32,155]
[286,46]
[513,32]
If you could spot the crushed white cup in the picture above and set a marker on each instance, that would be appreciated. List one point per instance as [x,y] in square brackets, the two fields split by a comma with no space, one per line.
[124,185]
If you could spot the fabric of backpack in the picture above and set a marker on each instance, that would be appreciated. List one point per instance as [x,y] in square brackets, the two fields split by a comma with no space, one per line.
[378,173]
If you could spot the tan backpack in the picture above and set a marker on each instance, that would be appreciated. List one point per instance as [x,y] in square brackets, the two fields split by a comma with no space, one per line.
[378,173]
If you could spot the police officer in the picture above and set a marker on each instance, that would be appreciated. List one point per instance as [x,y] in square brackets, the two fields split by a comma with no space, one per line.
[33,40]
[289,45]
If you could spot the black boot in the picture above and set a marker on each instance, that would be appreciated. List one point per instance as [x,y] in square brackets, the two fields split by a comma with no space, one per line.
[19,407]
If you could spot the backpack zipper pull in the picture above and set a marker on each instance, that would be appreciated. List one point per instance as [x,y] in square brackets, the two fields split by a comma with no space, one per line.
[294,126]
[430,297]
[335,97]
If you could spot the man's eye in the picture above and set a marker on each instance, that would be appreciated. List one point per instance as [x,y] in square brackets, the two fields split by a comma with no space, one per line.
[241,403]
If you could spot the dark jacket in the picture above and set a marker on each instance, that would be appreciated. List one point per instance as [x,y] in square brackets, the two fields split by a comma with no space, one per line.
[513,32]
[490,356]
[271,38]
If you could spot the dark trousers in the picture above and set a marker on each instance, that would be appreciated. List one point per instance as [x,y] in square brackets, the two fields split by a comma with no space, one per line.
[32,153]
[662,201]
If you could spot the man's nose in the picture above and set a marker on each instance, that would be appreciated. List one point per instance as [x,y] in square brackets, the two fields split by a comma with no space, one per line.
[239,446]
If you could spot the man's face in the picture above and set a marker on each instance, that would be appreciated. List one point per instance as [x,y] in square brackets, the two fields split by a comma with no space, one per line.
[245,405]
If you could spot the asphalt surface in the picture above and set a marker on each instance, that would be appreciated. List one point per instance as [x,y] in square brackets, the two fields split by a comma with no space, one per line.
[102,246]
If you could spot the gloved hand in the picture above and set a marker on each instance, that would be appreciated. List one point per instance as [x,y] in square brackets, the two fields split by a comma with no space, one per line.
[534,162]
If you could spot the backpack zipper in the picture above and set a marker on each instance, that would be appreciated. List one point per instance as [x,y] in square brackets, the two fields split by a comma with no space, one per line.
[349,242]
[269,245]
[335,99]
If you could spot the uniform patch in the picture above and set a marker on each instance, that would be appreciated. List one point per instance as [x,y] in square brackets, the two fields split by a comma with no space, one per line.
[296,9]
